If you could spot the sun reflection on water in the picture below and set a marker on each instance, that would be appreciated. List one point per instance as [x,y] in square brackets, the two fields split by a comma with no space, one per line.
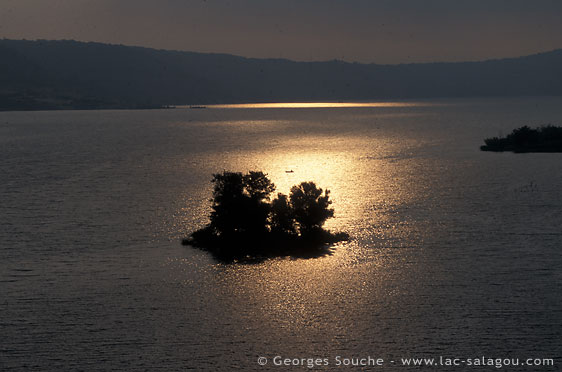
[370,177]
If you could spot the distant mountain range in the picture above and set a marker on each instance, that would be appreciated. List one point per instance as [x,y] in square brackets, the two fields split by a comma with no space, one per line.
[68,74]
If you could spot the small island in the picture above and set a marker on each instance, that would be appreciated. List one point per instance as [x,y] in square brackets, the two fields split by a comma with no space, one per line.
[245,224]
[525,139]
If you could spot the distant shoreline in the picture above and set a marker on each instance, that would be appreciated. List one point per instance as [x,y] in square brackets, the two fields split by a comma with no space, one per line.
[43,107]
[62,75]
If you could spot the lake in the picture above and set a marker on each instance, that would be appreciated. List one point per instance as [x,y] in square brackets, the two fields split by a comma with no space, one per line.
[455,253]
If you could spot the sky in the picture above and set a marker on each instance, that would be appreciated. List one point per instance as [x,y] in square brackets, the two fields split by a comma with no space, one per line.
[368,31]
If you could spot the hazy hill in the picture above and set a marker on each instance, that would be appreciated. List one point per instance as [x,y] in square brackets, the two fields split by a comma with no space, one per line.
[68,74]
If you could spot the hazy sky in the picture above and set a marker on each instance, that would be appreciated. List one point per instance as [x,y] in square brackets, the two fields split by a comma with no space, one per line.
[380,31]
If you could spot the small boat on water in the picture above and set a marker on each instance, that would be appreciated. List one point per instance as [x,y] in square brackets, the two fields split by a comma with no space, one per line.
[197,107]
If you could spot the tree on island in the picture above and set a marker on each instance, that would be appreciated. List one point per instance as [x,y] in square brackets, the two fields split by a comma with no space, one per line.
[240,204]
[245,222]
[310,207]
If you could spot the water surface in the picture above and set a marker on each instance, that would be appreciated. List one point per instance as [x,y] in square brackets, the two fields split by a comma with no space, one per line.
[455,252]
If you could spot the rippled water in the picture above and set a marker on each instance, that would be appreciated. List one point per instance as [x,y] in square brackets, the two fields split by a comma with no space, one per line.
[455,252]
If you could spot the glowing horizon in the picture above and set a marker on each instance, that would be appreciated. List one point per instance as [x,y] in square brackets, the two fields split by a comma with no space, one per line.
[310,105]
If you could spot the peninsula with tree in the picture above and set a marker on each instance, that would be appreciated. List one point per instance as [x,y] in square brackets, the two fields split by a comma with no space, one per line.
[525,139]
[246,223]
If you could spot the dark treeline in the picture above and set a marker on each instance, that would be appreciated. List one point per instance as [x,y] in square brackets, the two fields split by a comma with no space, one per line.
[69,74]
[525,139]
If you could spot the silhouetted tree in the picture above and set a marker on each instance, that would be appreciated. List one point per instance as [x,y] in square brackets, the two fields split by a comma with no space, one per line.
[551,133]
[310,206]
[282,217]
[228,195]
[240,203]
[258,186]
[524,136]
